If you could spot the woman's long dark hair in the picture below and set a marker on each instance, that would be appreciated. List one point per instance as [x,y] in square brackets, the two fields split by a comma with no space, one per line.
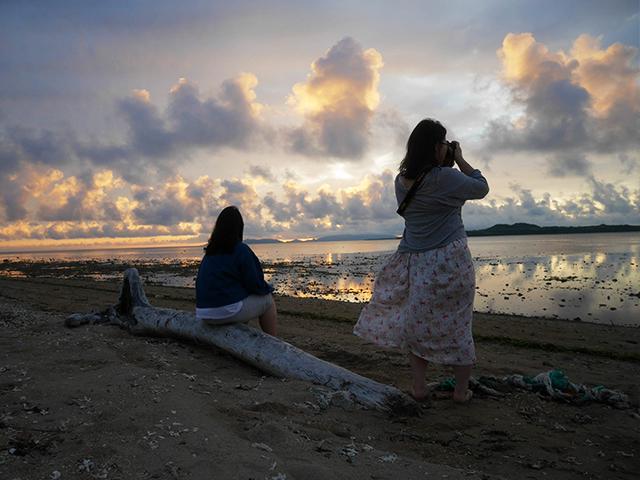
[421,151]
[227,232]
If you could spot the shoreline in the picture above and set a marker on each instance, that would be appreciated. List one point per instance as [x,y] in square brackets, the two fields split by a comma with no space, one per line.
[498,327]
[114,394]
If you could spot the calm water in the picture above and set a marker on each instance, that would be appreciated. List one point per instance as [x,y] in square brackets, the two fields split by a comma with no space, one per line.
[591,277]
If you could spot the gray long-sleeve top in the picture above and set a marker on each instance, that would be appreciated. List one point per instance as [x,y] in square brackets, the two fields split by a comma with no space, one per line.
[433,218]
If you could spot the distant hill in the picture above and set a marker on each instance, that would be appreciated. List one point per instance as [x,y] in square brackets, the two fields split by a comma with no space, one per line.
[328,238]
[262,240]
[529,229]
[362,236]
[497,230]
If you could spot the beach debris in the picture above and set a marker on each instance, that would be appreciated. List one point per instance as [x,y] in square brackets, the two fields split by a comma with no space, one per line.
[55,475]
[271,355]
[350,450]
[552,384]
[86,465]
[326,398]
[556,386]
[624,454]
[389,458]
[243,386]
[262,446]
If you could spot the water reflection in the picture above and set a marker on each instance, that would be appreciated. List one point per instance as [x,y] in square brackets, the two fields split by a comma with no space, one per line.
[600,288]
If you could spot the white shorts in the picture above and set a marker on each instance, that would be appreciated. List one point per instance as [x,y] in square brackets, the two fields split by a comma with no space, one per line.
[252,307]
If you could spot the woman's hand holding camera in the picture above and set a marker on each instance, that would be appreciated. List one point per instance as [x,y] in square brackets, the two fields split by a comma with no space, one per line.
[456,156]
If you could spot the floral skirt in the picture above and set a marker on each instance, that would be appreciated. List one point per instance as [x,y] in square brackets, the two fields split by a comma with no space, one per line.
[423,303]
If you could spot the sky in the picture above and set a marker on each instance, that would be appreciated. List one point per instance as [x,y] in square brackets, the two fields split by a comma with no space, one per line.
[131,123]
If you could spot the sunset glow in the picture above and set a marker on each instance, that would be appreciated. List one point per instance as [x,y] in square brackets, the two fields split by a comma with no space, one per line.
[158,120]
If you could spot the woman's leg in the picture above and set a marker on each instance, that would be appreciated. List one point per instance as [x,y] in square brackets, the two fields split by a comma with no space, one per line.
[269,319]
[419,367]
[462,394]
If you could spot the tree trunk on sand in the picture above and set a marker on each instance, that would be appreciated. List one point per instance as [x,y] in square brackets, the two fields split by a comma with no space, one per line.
[267,353]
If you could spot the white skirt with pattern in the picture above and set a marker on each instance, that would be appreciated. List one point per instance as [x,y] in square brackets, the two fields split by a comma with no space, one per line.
[423,303]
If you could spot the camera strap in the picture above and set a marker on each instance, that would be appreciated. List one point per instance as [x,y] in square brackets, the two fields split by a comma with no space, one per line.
[412,190]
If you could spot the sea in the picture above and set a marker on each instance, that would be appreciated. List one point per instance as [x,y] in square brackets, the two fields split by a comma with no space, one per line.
[590,277]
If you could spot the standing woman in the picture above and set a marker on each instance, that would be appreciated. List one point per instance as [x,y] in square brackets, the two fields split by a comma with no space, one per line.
[230,286]
[423,296]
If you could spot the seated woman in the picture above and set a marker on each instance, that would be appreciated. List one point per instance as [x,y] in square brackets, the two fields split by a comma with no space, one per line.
[230,287]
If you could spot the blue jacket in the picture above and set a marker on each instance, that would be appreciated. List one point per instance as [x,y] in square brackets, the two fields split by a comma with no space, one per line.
[224,279]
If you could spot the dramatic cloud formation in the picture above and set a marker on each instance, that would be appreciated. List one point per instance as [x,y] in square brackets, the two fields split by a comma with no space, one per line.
[586,100]
[80,198]
[157,141]
[105,136]
[338,101]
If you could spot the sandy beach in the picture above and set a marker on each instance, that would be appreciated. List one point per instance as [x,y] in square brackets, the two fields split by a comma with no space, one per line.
[98,402]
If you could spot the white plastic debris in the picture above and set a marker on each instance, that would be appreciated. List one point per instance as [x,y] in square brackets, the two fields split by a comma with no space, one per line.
[262,446]
[389,458]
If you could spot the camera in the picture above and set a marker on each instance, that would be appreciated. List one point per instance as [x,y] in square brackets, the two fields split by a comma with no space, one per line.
[449,162]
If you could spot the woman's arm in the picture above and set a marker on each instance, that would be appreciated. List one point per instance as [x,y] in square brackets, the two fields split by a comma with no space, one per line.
[251,274]
[460,161]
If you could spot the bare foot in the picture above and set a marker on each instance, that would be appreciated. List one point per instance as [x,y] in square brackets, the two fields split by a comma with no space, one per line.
[419,395]
[460,400]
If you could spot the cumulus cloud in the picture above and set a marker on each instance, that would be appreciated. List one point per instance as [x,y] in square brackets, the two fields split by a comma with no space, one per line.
[157,141]
[176,202]
[587,99]
[229,119]
[337,101]
[369,204]
[79,198]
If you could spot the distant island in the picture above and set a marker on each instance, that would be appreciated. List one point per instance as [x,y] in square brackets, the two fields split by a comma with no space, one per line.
[494,231]
[529,229]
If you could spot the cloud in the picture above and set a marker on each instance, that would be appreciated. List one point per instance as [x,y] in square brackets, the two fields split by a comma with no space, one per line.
[156,141]
[24,145]
[602,203]
[80,198]
[337,101]
[228,119]
[101,206]
[262,173]
[174,203]
[585,100]
[373,199]
[369,205]
[18,189]
[568,164]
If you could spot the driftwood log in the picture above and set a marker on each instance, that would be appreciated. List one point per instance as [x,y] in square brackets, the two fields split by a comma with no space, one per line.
[269,354]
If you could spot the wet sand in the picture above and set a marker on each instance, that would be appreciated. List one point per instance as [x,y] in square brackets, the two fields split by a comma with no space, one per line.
[97,402]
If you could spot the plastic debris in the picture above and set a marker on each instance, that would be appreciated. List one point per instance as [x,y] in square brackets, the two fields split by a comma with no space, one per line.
[553,383]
